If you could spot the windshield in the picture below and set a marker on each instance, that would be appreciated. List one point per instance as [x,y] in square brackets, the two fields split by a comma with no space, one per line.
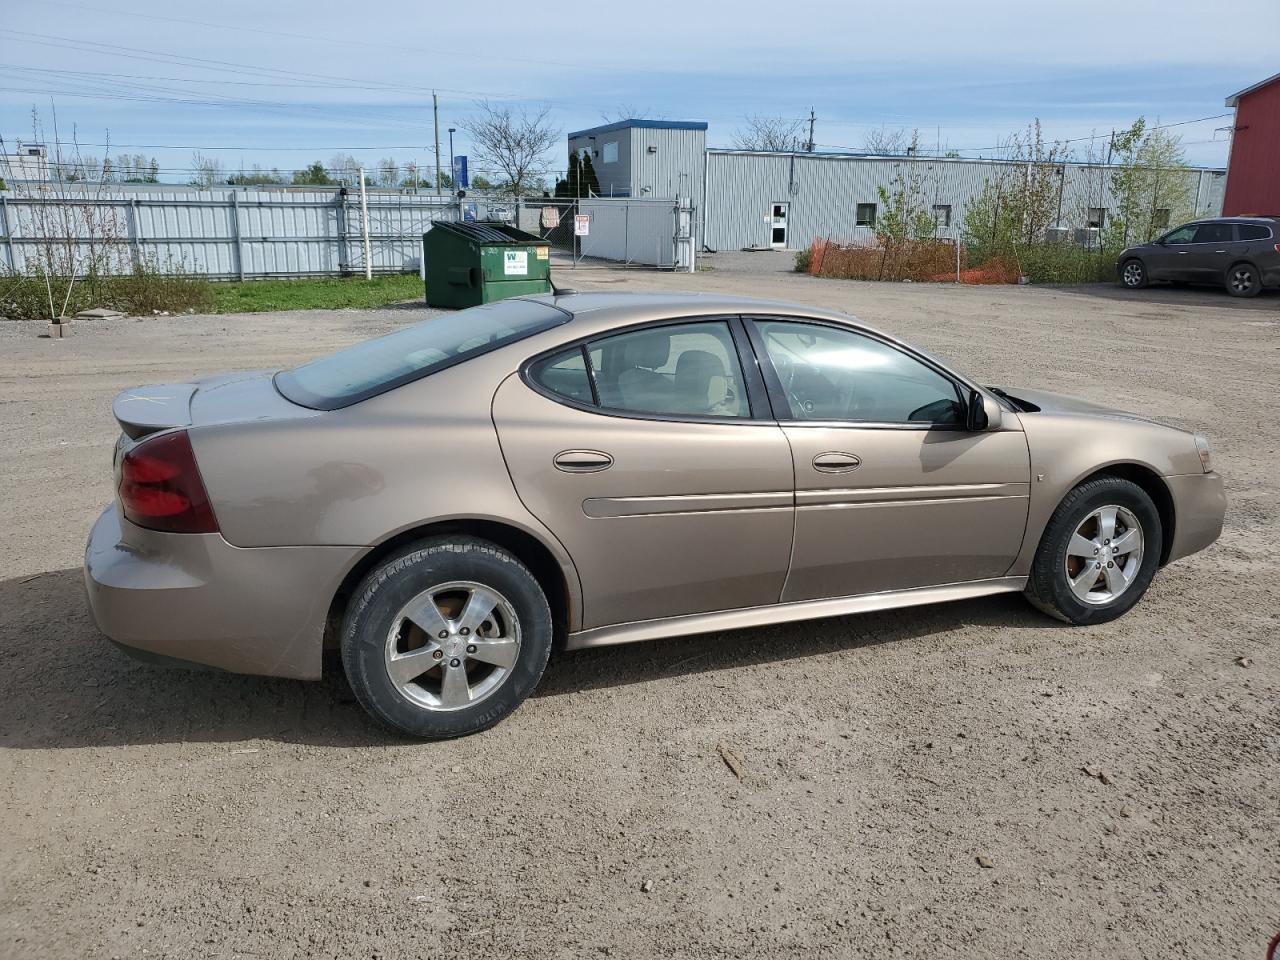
[375,366]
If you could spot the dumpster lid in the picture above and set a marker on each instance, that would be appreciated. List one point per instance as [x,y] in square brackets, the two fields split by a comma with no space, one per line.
[487,231]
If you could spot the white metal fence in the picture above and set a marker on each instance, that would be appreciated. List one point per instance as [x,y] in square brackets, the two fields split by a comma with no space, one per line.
[233,234]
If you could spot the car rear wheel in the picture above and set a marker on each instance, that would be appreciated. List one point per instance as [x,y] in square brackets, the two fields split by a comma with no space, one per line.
[1099,552]
[446,638]
[1243,280]
[1133,274]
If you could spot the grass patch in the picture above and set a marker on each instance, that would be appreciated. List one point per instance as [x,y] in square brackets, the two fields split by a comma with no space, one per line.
[324,293]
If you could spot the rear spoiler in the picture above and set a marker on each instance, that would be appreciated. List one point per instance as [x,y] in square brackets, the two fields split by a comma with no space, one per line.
[145,410]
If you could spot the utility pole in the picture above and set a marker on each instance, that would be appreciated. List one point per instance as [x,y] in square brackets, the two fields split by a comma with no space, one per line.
[364,229]
[435,109]
[809,146]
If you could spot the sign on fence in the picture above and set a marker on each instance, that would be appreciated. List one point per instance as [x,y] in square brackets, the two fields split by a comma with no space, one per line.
[550,217]
[581,225]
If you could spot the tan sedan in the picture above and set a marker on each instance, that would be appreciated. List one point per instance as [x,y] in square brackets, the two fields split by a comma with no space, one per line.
[445,503]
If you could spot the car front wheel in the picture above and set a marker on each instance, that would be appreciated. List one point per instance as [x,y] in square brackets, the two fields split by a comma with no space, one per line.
[1099,552]
[1243,280]
[1133,274]
[446,638]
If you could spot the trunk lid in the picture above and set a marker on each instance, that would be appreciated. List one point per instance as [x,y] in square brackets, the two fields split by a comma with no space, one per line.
[225,398]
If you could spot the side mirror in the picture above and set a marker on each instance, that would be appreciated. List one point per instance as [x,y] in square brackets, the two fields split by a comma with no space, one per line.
[981,412]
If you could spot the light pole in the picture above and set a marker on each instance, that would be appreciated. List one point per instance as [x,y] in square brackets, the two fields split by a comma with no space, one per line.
[453,176]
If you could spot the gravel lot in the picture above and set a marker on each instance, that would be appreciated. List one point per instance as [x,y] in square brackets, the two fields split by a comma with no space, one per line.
[175,814]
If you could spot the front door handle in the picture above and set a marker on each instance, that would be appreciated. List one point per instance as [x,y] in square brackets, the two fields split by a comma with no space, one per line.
[836,461]
[582,461]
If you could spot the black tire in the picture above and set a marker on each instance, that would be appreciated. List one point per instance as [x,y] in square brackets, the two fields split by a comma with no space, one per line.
[1133,274]
[1048,588]
[402,577]
[1243,280]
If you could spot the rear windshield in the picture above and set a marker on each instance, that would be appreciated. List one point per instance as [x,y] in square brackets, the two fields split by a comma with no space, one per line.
[376,366]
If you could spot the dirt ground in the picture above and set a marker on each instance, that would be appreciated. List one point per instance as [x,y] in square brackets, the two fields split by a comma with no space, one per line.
[173,814]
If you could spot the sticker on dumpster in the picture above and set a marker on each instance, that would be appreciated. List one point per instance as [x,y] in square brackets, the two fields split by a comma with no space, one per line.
[515,263]
[544,253]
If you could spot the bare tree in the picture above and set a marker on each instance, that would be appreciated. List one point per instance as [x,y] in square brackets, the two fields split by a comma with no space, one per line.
[513,142]
[74,228]
[206,171]
[627,111]
[888,143]
[388,172]
[769,133]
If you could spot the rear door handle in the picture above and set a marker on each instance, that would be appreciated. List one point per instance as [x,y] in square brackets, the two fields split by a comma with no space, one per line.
[836,461]
[582,461]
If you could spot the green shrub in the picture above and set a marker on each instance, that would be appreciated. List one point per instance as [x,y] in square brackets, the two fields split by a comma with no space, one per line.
[803,259]
[145,290]
[1066,263]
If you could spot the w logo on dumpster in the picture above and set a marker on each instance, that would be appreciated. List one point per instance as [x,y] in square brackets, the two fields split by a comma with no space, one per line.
[515,263]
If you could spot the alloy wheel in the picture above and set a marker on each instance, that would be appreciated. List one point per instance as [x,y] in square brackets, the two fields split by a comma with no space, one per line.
[453,645]
[1104,555]
[1242,279]
[1132,274]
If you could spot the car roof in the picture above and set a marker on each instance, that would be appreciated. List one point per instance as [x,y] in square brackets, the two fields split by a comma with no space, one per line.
[1242,218]
[615,308]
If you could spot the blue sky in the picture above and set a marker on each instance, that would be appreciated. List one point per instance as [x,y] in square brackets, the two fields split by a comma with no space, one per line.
[263,83]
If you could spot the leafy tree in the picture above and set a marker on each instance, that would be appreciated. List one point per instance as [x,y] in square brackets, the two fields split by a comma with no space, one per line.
[589,183]
[1151,183]
[257,177]
[481,182]
[313,175]
[1018,201]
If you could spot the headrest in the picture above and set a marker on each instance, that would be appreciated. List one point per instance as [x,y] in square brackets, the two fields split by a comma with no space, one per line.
[650,349]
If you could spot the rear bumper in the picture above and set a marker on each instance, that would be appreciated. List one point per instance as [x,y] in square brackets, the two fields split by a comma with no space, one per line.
[196,598]
[1199,505]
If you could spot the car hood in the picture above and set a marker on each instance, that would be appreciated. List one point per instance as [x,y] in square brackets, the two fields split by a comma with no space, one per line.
[1057,403]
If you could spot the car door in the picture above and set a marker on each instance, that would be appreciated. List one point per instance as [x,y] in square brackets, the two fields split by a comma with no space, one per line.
[1214,249]
[659,467]
[1168,257]
[892,491]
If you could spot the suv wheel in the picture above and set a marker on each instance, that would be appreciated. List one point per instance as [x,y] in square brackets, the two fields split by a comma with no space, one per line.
[1099,552]
[446,638]
[1243,280]
[1133,274]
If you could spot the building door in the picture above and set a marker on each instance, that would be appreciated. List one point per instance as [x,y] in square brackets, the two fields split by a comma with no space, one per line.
[778,226]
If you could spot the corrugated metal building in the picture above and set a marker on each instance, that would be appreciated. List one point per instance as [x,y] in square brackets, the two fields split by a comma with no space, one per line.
[1253,170]
[646,159]
[748,198]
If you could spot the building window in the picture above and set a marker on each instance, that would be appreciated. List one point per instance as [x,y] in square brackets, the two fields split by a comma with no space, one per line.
[611,151]
[1160,219]
[1097,217]
[866,214]
[942,214]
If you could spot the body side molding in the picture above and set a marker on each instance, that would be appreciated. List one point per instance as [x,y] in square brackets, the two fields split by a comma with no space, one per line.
[788,612]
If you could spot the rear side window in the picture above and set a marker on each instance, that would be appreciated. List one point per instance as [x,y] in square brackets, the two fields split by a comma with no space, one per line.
[375,366]
[1214,233]
[679,370]
[1253,231]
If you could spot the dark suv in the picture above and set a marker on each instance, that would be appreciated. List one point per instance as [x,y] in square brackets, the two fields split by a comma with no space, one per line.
[1241,253]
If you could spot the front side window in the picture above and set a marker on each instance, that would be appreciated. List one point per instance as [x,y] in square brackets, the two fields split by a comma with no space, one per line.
[832,374]
[679,370]
[1181,235]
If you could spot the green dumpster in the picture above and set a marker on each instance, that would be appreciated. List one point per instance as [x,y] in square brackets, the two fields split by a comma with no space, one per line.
[469,263]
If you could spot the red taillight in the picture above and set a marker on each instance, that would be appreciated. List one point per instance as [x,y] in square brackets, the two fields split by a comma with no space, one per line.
[1278,248]
[161,489]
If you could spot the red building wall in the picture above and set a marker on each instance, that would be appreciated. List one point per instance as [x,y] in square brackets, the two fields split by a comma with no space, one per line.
[1253,175]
